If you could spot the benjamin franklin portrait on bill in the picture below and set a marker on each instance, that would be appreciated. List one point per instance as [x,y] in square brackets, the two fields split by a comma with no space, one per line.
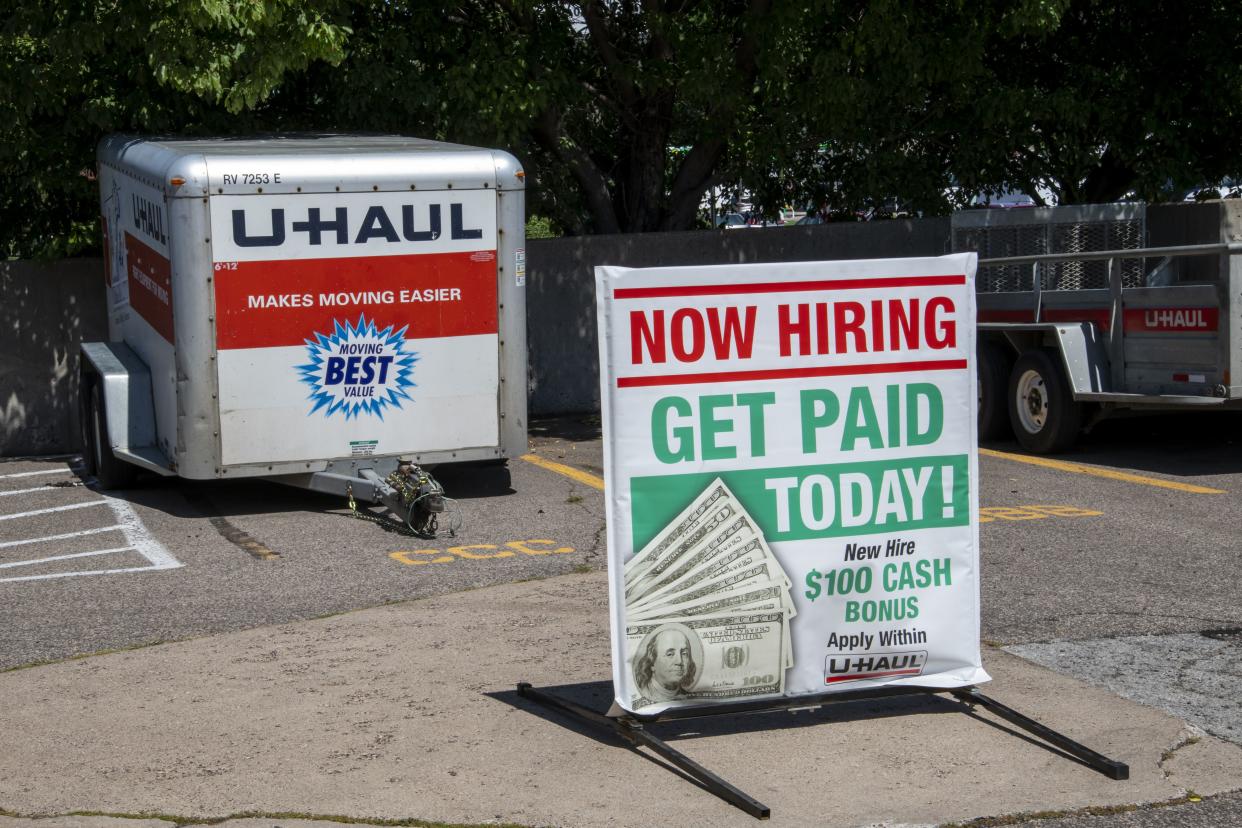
[665,666]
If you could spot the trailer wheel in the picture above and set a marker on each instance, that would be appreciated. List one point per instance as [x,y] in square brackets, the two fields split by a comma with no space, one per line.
[993,367]
[111,471]
[1042,410]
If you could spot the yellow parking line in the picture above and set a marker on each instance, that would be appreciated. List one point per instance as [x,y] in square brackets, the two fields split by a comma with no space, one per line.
[1076,468]
[569,471]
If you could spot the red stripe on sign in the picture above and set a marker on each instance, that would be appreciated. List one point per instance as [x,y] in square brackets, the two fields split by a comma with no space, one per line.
[150,285]
[788,287]
[281,303]
[793,373]
[1172,320]
[835,679]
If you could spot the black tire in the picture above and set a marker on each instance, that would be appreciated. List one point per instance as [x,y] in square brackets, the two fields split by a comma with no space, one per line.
[1042,411]
[109,470]
[993,365]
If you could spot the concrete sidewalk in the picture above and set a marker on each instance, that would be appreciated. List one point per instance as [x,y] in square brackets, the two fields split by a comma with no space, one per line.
[407,711]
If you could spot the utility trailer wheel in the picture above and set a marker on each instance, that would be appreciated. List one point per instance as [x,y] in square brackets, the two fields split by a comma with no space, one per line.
[109,470]
[1045,418]
[993,365]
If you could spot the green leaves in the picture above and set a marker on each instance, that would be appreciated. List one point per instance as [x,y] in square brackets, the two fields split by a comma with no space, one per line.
[238,53]
[848,103]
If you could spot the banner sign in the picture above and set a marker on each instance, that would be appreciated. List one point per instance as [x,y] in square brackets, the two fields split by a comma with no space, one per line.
[791,469]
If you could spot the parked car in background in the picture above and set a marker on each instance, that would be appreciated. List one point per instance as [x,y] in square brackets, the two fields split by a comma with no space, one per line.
[1228,188]
[731,221]
[1007,200]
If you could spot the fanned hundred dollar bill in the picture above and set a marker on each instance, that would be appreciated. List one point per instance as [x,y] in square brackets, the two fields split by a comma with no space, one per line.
[702,527]
[683,557]
[714,572]
[708,608]
[686,522]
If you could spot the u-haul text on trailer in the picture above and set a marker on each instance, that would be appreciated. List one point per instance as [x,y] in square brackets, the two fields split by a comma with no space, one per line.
[363,317]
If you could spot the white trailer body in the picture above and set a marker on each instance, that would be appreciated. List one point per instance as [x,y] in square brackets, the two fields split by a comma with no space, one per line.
[295,305]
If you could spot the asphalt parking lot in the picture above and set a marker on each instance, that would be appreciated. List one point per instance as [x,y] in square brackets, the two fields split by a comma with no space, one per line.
[1116,563]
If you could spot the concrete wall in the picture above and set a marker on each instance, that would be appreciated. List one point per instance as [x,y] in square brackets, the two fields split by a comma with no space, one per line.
[45,312]
[560,286]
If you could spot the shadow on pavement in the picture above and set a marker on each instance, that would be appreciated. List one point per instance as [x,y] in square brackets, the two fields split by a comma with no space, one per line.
[572,427]
[182,498]
[1184,444]
[597,695]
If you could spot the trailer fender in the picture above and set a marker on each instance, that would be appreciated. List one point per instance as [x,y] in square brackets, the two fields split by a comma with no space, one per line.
[1081,346]
[125,387]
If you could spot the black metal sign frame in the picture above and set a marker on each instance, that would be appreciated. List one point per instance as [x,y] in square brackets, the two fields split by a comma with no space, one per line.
[630,727]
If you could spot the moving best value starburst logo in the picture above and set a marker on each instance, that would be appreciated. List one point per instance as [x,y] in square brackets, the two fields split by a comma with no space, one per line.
[358,369]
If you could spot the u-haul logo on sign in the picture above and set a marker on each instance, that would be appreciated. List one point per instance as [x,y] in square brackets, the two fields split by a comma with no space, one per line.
[839,667]
[341,225]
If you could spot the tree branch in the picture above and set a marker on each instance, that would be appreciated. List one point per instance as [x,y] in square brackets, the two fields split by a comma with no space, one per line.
[593,13]
[551,134]
[693,178]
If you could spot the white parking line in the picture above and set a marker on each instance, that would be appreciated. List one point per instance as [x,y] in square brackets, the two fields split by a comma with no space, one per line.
[35,489]
[64,536]
[33,473]
[136,536]
[66,557]
[52,509]
[75,574]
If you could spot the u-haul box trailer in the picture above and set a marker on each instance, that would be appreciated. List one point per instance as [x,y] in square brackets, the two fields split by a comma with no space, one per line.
[307,308]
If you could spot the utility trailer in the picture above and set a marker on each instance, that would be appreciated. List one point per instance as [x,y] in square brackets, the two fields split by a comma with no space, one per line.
[1094,328]
[325,311]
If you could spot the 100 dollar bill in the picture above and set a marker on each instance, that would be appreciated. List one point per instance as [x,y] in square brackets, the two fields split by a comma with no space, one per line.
[726,656]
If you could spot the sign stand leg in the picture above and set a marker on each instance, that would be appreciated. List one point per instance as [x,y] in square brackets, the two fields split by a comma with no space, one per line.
[631,729]
[1109,767]
[633,732]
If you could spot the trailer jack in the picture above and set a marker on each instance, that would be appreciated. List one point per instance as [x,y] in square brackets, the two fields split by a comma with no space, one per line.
[411,494]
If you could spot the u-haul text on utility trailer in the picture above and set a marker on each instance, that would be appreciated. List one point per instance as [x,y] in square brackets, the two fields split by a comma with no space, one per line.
[368,321]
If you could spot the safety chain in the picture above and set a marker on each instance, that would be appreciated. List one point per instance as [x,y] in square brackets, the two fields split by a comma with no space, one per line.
[421,498]
[383,521]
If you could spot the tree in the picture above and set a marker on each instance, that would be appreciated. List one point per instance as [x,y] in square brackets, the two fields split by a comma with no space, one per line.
[1124,99]
[72,71]
[628,112]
